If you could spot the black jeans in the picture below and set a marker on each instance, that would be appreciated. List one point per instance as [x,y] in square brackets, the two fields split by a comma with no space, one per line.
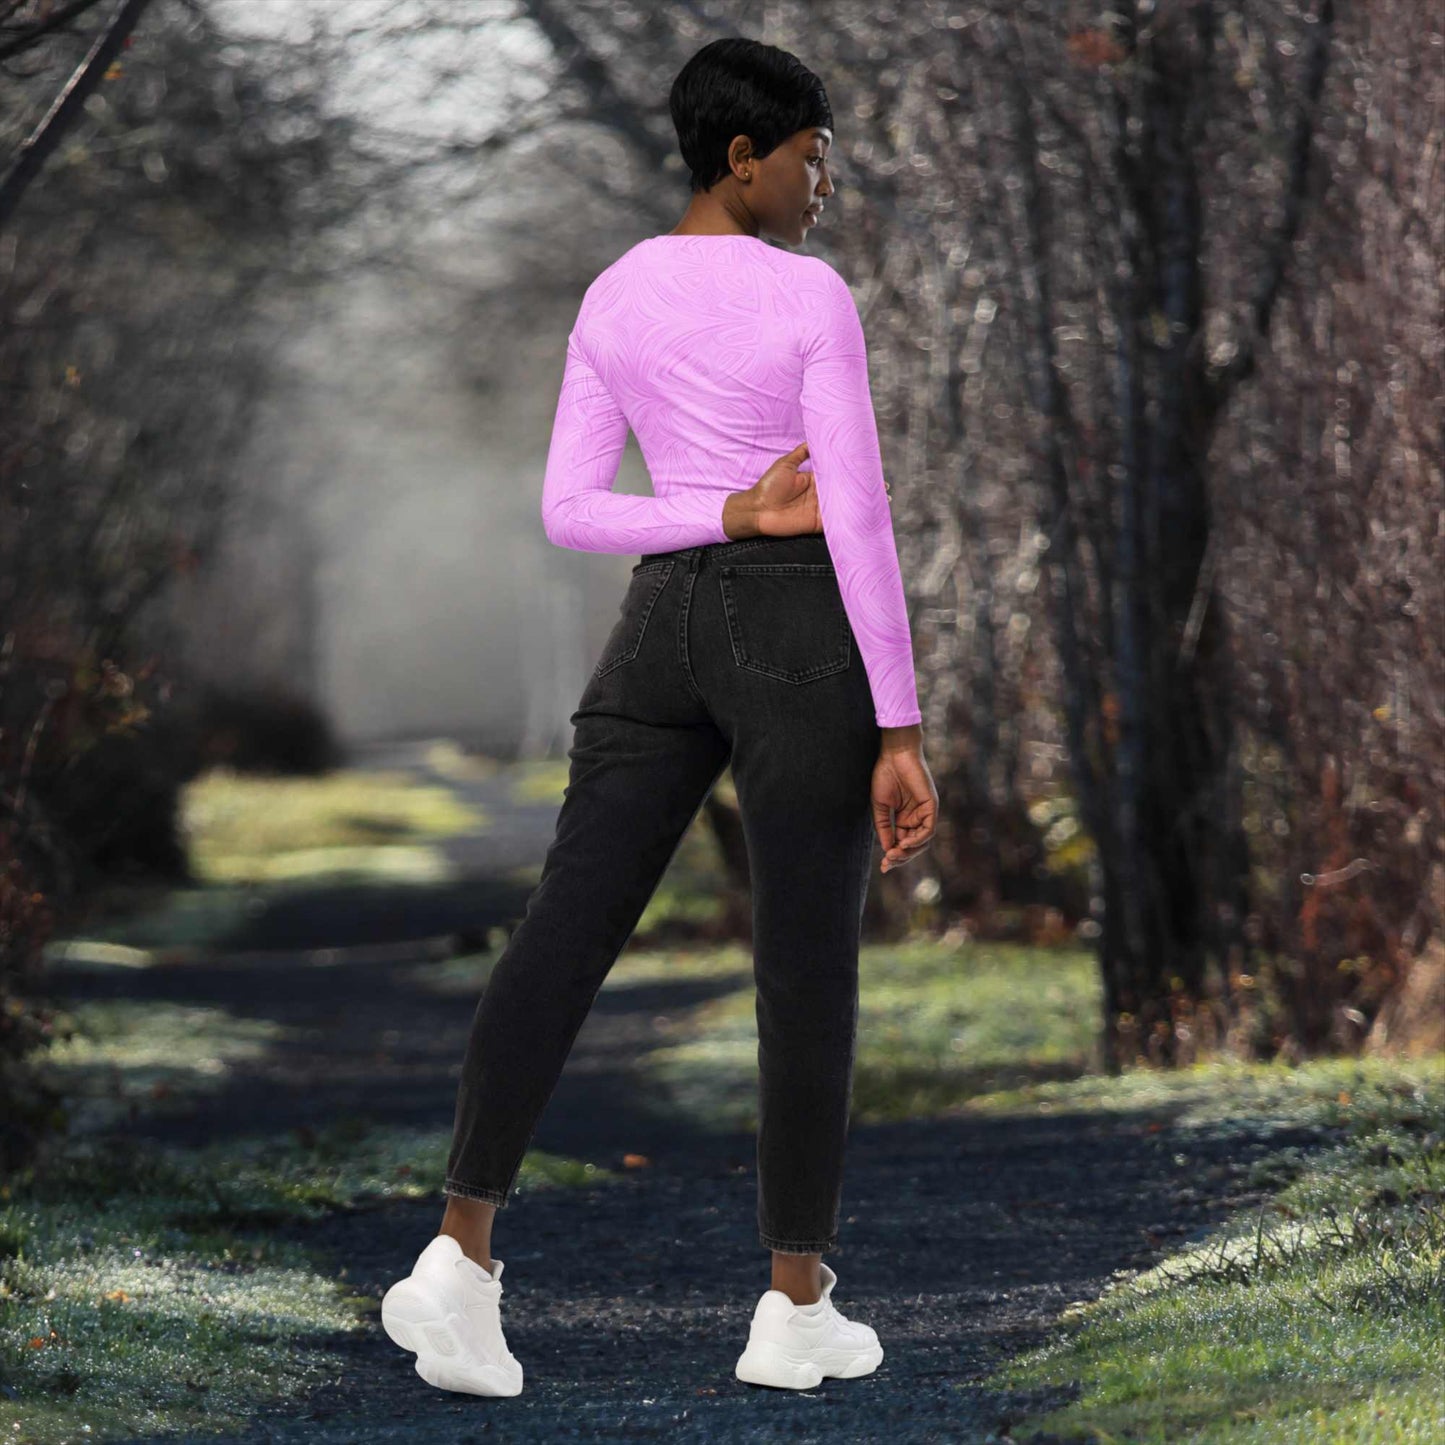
[737,652]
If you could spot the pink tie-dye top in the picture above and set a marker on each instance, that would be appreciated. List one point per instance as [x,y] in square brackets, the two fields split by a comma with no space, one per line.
[722,353]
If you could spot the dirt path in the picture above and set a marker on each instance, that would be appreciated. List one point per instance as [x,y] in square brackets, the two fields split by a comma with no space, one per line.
[629,1302]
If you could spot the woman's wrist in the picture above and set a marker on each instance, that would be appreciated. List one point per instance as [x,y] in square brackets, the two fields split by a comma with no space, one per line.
[896,739]
[739,516]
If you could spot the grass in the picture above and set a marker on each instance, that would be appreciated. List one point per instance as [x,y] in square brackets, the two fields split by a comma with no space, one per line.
[147,1290]
[140,1293]
[121,1056]
[938,1025]
[246,829]
[1319,1318]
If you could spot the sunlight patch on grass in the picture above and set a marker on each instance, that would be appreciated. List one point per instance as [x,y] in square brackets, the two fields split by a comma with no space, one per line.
[729,966]
[353,1160]
[241,827]
[447,757]
[96,953]
[539,781]
[126,1054]
[1218,1096]
[381,865]
[936,1025]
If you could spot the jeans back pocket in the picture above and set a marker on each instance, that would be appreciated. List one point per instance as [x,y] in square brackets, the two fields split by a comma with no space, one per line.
[786,619]
[648,580]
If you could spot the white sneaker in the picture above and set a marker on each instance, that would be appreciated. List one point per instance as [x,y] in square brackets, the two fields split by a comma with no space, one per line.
[793,1349]
[448,1310]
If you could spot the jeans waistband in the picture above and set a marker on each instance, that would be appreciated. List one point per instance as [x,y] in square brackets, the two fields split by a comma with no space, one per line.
[809,545]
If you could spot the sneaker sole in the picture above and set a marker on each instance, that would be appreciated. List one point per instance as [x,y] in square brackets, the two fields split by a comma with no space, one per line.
[766,1363]
[411,1319]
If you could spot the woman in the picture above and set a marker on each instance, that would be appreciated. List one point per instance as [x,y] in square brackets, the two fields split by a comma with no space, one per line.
[764,628]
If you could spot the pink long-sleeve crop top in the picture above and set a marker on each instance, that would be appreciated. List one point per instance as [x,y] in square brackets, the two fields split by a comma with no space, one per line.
[722,353]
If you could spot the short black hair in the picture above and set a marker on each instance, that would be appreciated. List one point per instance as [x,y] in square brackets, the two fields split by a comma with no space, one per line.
[736,86]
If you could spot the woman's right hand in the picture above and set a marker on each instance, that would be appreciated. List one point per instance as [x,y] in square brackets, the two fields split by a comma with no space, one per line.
[905,800]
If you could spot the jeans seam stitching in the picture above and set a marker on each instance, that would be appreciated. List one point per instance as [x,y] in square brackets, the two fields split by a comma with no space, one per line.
[476,1191]
[682,611]
[800,1246]
[664,571]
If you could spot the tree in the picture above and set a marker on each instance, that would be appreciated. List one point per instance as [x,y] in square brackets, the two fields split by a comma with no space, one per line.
[131,272]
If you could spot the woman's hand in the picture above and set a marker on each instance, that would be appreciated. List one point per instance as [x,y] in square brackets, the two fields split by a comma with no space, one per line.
[783,502]
[787,499]
[905,800]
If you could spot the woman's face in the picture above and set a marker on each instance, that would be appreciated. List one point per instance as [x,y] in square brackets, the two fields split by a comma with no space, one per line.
[786,188]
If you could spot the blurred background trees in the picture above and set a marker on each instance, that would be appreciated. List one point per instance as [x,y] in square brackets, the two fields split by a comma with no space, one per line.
[130,362]
[1153,299]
